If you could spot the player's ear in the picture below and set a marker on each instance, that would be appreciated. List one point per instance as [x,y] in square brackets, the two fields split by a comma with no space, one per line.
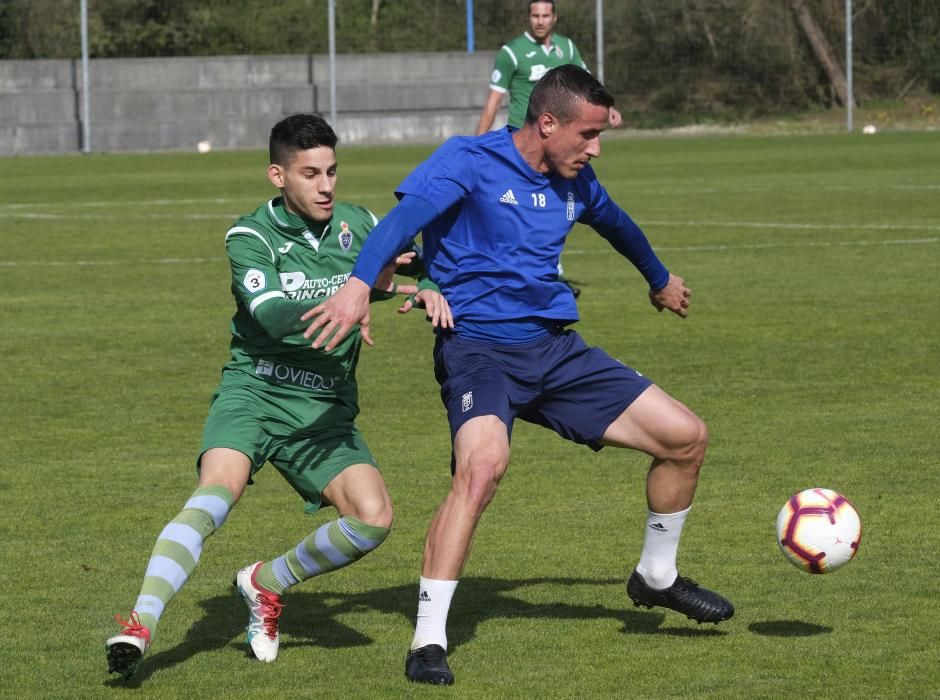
[276,175]
[547,123]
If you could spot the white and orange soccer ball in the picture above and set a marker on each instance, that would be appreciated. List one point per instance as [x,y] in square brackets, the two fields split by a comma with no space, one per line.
[819,530]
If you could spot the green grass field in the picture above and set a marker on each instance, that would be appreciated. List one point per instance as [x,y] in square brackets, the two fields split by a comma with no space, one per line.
[812,351]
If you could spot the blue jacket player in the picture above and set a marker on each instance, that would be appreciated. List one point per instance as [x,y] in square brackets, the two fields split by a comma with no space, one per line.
[495,211]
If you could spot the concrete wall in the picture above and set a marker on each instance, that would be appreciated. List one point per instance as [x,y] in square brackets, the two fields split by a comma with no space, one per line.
[232,101]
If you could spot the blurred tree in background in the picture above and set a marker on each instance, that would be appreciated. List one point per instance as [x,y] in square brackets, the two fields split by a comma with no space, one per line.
[676,60]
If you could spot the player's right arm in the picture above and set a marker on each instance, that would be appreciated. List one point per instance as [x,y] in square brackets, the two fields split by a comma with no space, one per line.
[488,115]
[500,80]
[349,306]
[256,285]
[431,189]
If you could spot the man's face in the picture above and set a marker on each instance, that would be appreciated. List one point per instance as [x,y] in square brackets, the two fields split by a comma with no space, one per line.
[541,20]
[568,147]
[307,182]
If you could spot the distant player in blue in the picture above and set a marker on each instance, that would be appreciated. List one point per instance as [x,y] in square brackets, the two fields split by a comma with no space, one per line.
[495,211]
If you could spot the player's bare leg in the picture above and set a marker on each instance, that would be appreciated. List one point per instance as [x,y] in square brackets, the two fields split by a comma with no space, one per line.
[677,439]
[481,451]
[360,492]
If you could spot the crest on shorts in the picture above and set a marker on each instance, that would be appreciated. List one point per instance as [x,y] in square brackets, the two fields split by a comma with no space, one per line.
[466,401]
[345,236]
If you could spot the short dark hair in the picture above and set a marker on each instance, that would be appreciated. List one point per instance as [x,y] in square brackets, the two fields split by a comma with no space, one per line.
[561,90]
[299,132]
[550,2]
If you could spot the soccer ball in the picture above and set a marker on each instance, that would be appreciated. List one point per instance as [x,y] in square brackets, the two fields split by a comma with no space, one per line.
[819,530]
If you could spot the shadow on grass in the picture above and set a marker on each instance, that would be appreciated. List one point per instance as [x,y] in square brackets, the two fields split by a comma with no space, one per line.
[788,628]
[311,619]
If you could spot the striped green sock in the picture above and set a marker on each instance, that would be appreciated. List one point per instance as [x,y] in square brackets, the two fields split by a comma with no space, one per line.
[177,550]
[332,546]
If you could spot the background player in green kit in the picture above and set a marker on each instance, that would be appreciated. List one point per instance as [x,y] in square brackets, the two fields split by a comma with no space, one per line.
[519,65]
[281,401]
[523,60]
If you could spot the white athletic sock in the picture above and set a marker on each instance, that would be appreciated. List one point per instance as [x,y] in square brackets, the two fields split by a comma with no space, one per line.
[433,605]
[658,562]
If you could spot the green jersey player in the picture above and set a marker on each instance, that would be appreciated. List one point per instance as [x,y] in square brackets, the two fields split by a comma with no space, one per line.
[526,58]
[280,400]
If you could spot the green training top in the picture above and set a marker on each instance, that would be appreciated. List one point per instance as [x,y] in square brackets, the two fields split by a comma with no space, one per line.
[283,265]
[522,61]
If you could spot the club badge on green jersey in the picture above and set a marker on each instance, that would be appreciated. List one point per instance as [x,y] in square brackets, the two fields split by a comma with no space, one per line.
[345,236]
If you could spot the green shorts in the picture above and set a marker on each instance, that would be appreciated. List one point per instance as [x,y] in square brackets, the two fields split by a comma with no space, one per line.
[309,439]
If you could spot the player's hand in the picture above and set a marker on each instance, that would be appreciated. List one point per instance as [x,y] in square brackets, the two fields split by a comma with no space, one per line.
[385,282]
[615,119]
[675,296]
[434,304]
[336,316]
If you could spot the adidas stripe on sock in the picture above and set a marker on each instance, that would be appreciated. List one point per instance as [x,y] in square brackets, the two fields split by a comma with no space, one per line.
[434,598]
[660,548]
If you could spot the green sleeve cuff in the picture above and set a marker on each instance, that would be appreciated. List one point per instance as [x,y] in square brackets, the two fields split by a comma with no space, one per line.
[426,283]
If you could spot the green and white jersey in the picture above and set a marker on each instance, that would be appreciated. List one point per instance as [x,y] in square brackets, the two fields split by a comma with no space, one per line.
[522,61]
[282,266]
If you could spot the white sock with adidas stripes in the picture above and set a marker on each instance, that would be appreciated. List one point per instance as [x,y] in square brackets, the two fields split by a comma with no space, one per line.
[434,598]
[658,561]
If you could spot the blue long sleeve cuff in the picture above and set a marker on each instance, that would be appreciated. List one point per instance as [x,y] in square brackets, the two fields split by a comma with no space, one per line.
[391,235]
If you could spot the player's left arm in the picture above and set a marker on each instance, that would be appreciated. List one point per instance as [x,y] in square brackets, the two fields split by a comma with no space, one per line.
[667,291]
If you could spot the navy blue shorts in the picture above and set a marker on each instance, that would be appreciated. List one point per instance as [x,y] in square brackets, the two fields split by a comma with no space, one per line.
[557,381]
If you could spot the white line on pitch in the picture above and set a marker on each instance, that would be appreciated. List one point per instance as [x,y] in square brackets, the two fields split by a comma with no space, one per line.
[672,249]
[768,246]
[248,200]
[356,196]
[645,223]
[102,263]
[807,227]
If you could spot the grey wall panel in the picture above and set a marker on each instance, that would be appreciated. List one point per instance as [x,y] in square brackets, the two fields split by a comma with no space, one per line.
[232,101]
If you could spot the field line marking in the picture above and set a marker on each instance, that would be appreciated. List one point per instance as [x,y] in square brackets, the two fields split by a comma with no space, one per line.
[769,246]
[794,226]
[355,196]
[104,263]
[115,217]
[575,251]
[645,223]
[248,200]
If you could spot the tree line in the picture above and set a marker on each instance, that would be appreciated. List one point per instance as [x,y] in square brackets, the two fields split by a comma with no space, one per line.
[663,59]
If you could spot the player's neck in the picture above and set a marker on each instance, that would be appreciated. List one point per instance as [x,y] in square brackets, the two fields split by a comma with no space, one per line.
[544,41]
[529,145]
[297,219]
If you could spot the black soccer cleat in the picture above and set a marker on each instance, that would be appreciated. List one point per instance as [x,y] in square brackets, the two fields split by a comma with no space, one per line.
[428,664]
[684,596]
